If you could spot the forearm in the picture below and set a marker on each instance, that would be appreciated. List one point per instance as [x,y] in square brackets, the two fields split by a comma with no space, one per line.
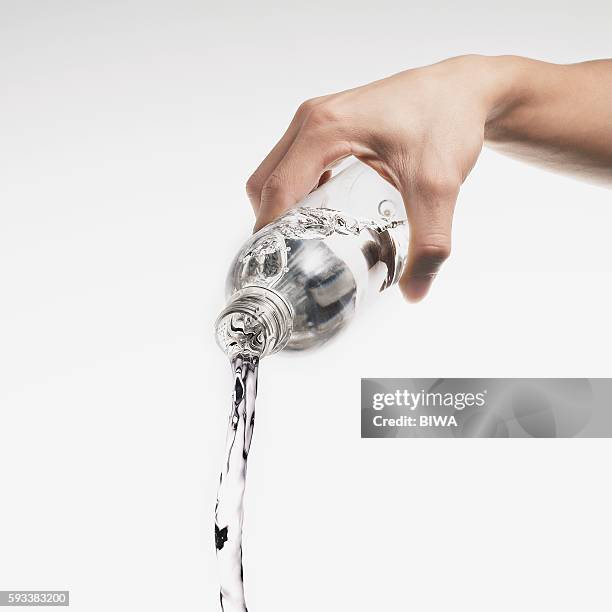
[556,116]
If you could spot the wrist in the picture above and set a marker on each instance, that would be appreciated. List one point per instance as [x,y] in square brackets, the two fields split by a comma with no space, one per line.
[497,83]
[510,91]
[504,77]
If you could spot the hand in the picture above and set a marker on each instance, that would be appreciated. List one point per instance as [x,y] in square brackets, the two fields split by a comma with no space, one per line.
[423,129]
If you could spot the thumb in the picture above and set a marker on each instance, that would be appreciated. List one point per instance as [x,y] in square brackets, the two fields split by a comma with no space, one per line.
[430,217]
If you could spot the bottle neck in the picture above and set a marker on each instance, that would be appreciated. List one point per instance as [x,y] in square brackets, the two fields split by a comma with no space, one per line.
[256,322]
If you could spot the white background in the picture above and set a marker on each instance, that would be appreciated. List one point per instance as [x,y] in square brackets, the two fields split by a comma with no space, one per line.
[127,132]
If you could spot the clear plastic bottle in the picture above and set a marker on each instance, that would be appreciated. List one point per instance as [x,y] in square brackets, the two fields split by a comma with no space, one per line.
[298,281]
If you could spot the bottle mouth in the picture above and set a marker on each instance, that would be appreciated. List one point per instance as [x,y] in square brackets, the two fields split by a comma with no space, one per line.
[256,322]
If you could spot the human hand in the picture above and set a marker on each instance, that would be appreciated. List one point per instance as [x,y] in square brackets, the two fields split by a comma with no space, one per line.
[422,130]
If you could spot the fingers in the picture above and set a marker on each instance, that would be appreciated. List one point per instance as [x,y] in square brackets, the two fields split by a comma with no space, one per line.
[257,180]
[429,205]
[316,147]
[319,136]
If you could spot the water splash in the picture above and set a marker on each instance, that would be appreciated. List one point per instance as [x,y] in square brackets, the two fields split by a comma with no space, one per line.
[264,259]
[229,511]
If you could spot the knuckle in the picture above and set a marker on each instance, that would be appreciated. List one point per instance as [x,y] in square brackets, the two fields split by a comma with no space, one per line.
[253,186]
[306,107]
[430,255]
[272,187]
[323,114]
[437,184]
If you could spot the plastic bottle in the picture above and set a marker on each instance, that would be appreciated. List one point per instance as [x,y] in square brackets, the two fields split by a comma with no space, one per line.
[298,281]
